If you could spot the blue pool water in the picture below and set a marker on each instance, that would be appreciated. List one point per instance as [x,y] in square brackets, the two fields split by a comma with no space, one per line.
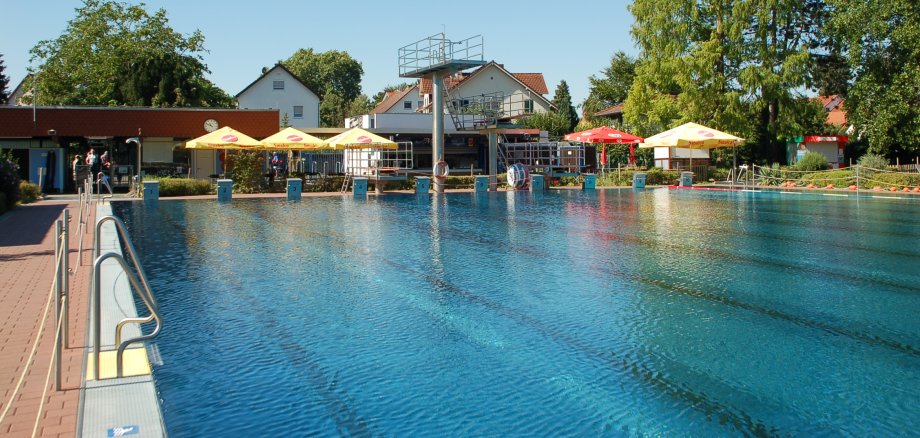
[569,313]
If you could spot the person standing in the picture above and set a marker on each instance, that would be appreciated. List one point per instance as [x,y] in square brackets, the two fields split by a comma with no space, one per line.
[92,160]
[77,162]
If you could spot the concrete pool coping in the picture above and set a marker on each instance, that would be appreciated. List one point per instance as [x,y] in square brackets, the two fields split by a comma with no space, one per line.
[117,406]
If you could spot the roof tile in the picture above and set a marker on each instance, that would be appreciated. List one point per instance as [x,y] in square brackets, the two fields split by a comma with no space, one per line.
[391,98]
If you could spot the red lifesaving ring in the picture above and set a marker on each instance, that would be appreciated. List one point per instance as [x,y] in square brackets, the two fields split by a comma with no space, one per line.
[441,170]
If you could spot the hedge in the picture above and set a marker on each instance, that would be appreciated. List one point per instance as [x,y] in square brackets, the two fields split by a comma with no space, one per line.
[183,186]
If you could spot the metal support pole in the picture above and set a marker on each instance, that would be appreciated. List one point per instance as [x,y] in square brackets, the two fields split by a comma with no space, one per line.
[493,161]
[65,284]
[437,128]
[58,232]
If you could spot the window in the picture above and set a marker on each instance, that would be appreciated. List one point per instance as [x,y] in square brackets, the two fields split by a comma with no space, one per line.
[298,111]
[278,85]
[528,106]
[407,104]
[460,104]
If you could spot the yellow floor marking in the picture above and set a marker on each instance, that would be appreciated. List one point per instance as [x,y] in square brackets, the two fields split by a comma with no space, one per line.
[135,364]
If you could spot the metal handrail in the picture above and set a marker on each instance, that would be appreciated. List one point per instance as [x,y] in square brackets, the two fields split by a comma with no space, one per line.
[139,286]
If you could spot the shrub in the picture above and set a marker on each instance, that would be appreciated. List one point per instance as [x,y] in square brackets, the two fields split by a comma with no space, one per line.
[657,176]
[839,178]
[811,162]
[889,179]
[772,176]
[183,186]
[9,179]
[328,184]
[245,168]
[458,182]
[29,192]
[719,174]
[653,176]
[872,161]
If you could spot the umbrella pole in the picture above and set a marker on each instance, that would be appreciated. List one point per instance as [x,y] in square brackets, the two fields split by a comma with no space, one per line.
[734,164]
[691,159]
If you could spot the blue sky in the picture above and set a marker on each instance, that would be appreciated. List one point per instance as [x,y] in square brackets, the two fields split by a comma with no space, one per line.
[568,41]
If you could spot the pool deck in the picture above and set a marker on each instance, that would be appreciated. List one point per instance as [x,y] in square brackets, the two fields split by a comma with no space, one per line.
[26,271]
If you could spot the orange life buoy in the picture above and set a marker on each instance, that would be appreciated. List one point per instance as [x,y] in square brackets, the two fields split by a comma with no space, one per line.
[441,170]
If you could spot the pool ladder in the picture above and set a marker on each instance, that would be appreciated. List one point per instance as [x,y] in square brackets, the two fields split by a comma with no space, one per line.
[139,286]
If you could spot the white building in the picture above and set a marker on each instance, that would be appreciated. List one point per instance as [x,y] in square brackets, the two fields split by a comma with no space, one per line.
[278,88]
[489,89]
[679,158]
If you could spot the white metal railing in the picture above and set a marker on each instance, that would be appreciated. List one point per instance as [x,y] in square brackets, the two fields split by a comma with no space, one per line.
[855,178]
[437,49]
[139,285]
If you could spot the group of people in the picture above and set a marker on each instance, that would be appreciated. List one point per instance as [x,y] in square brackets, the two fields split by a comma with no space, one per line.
[97,164]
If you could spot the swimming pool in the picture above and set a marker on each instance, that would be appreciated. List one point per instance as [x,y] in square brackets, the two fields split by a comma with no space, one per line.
[567,313]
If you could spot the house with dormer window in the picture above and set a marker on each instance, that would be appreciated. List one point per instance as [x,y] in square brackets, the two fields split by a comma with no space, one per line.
[278,88]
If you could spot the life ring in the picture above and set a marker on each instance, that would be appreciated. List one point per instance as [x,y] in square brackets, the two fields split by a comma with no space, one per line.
[518,176]
[441,170]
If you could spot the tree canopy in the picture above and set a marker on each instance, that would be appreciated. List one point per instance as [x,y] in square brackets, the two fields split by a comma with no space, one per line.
[554,123]
[881,40]
[328,74]
[113,53]
[741,67]
[4,82]
[612,87]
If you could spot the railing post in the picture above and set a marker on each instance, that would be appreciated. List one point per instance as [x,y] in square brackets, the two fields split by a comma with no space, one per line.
[65,243]
[857,180]
[58,248]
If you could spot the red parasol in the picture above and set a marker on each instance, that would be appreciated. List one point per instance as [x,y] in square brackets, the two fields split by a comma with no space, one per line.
[607,135]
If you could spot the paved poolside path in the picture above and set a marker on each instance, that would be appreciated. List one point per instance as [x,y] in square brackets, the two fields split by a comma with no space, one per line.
[26,271]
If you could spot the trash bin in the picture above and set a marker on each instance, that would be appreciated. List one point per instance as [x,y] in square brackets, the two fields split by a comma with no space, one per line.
[639,180]
[686,179]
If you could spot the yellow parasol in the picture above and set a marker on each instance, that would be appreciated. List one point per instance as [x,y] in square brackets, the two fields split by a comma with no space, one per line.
[357,138]
[293,139]
[693,136]
[224,138]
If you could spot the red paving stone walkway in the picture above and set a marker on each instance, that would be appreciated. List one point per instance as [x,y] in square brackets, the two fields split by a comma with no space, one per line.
[26,272]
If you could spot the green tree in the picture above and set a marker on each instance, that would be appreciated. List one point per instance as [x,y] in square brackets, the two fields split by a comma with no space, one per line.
[556,124]
[612,87]
[4,82]
[113,53]
[562,100]
[332,110]
[880,38]
[360,106]
[332,74]
[739,66]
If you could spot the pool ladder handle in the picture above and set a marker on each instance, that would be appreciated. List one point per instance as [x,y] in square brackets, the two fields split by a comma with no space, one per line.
[139,286]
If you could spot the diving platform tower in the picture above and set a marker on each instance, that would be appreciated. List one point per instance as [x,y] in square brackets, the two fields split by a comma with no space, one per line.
[435,58]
